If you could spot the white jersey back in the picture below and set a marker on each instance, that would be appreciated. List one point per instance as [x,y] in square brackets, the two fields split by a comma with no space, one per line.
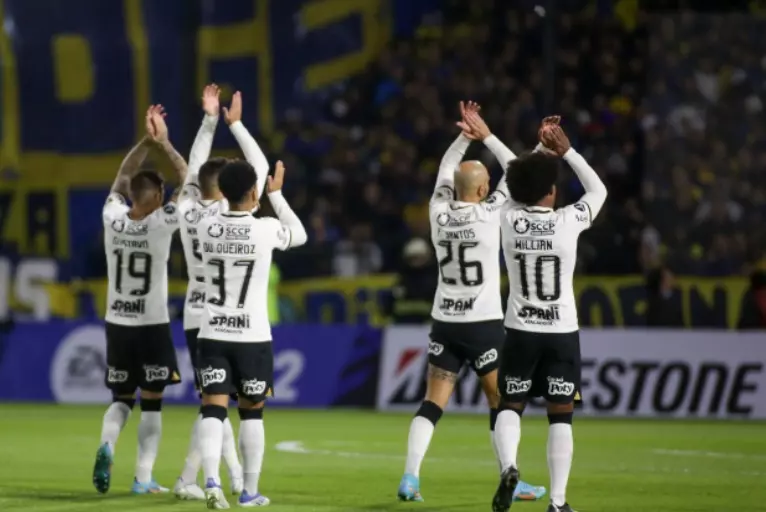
[137,254]
[192,210]
[236,254]
[466,238]
[540,246]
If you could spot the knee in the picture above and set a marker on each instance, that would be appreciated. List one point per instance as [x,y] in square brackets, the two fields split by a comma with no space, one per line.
[430,411]
[127,400]
[214,411]
[151,404]
[250,414]
[560,413]
[517,407]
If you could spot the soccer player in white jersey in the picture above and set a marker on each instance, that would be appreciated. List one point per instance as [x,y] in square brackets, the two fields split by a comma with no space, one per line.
[235,335]
[467,312]
[139,347]
[202,198]
[541,354]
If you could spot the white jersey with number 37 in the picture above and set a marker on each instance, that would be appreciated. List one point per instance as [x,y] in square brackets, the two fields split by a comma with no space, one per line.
[137,254]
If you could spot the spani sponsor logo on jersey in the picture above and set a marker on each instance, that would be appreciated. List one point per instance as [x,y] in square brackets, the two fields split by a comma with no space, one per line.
[197,297]
[129,307]
[212,375]
[534,227]
[237,232]
[456,307]
[231,321]
[540,316]
[456,219]
[558,386]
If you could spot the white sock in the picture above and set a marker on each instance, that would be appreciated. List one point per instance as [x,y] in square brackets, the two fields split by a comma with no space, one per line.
[252,442]
[507,437]
[560,451]
[193,456]
[230,456]
[115,418]
[149,434]
[493,440]
[421,432]
[211,443]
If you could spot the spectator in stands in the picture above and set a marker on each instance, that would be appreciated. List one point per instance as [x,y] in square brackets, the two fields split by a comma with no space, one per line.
[358,255]
[663,305]
[413,293]
[753,312]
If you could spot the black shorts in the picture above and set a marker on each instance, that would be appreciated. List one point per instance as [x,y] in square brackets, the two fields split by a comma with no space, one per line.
[141,357]
[191,344]
[246,367]
[475,343]
[535,364]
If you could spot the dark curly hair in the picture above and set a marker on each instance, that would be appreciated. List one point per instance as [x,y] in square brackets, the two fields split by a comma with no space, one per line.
[235,180]
[531,177]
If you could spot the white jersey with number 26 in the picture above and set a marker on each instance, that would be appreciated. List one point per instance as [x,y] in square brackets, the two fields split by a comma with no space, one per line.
[540,247]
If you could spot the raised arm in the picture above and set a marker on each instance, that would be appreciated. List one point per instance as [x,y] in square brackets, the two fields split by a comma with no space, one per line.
[203,142]
[287,217]
[130,166]
[478,127]
[595,190]
[250,148]
[160,135]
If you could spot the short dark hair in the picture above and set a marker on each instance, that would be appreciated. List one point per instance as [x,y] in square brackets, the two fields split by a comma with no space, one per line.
[531,177]
[208,174]
[235,180]
[144,183]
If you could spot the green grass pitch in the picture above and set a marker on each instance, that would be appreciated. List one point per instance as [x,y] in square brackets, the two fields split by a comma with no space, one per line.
[352,461]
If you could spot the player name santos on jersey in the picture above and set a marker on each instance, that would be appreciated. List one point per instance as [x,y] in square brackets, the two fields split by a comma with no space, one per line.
[236,252]
[137,254]
[540,248]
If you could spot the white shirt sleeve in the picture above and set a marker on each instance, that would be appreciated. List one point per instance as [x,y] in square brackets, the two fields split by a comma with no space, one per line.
[504,156]
[445,180]
[168,217]
[114,206]
[253,154]
[595,190]
[200,152]
[290,231]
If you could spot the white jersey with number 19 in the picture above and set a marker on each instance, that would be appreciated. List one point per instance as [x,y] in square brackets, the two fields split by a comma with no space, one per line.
[137,254]
[540,247]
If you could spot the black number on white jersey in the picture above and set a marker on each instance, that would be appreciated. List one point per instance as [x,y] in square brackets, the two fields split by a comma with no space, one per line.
[463,263]
[195,249]
[547,278]
[135,270]
[220,281]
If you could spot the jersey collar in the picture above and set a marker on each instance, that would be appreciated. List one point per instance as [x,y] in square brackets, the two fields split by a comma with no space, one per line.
[236,214]
[537,209]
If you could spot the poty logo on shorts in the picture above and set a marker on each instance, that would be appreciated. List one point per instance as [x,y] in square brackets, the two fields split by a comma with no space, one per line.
[156,373]
[558,386]
[490,356]
[211,375]
[514,385]
[253,387]
[435,348]
[116,376]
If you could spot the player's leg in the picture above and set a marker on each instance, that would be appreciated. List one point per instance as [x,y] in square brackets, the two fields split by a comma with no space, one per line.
[518,360]
[120,378]
[216,360]
[255,376]
[443,369]
[159,370]
[563,376]
[186,487]
[231,457]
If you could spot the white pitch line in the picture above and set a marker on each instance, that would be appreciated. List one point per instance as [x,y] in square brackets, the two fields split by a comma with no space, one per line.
[702,453]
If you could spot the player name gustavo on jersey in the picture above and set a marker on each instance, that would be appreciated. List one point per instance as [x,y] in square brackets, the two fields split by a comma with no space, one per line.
[194,210]
[466,239]
[236,252]
[137,253]
[540,247]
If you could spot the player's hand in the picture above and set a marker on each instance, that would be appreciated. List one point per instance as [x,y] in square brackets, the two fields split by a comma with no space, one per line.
[546,123]
[210,103]
[275,182]
[554,138]
[156,129]
[234,112]
[470,108]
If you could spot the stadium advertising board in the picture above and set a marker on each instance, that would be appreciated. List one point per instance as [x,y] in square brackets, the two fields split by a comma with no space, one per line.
[643,373]
[602,302]
[65,362]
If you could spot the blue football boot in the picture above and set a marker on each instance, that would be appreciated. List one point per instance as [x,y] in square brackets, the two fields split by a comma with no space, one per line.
[409,488]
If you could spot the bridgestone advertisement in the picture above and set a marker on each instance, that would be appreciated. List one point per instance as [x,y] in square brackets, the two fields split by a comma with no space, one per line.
[641,373]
